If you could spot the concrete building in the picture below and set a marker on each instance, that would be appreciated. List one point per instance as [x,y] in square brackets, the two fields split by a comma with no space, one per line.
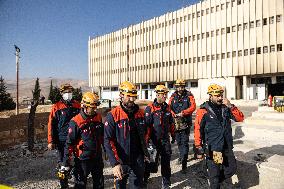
[235,43]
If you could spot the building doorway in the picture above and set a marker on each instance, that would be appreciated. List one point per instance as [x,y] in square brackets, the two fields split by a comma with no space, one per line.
[146,94]
[275,89]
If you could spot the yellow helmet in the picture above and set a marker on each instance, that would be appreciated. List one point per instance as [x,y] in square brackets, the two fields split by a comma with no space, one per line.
[161,89]
[180,82]
[215,89]
[66,87]
[128,88]
[90,99]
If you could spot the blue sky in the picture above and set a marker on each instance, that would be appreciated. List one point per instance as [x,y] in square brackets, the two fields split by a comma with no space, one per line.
[53,34]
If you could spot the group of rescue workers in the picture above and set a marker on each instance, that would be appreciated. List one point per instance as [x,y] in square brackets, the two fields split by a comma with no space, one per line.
[129,135]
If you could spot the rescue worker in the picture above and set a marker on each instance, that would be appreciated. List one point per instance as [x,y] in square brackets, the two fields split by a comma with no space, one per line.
[85,138]
[213,135]
[60,115]
[124,139]
[160,123]
[182,104]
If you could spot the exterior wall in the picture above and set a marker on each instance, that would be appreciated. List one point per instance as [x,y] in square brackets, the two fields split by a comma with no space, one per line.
[213,39]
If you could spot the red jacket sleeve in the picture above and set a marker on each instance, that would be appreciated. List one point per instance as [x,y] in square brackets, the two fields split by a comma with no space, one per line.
[197,125]
[237,114]
[192,107]
[51,120]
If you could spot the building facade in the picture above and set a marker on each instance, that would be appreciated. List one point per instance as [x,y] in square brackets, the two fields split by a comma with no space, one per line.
[235,43]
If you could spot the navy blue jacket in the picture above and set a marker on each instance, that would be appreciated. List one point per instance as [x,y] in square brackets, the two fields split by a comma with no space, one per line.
[85,137]
[124,135]
[184,103]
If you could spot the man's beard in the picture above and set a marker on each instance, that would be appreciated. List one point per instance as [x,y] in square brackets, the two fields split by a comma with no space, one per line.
[129,104]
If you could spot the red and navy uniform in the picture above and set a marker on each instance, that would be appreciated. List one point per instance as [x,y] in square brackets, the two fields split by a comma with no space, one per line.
[185,104]
[61,113]
[160,123]
[213,132]
[124,142]
[85,138]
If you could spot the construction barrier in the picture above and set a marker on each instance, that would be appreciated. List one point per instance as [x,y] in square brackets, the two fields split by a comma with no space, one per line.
[278,103]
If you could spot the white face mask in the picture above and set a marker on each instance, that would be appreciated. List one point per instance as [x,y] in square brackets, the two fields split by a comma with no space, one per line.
[67,96]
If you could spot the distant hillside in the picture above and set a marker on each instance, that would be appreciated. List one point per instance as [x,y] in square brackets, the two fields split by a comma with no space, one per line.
[27,85]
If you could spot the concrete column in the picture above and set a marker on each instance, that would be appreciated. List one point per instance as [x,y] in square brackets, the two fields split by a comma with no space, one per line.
[273,80]
[245,82]
[140,90]
[166,84]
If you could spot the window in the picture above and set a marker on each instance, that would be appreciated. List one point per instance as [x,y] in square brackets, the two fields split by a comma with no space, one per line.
[251,24]
[189,38]
[223,55]
[193,15]
[218,56]
[184,18]
[223,31]
[198,14]
[217,8]
[203,35]
[252,51]
[207,34]
[228,29]
[180,19]
[234,28]
[177,20]
[271,20]
[207,11]
[245,26]
[279,47]
[177,62]
[272,48]
[245,52]
[174,42]
[189,60]
[258,23]
[185,39]
[188,16]
[193,37]
[202,12]
[198,36]
[239,2]
[239,27]
[279,18]
[227,5]
[217,32]
[213,57]
[177,41]
[203,58]
[208,57]
[194,84]
[212,33]
[212,9]
[265,21]
[228,54]
[258,51]
[185,61]
[222,7]
[181,40]
[265,49]
[240,53]
[198,59]
[173,21]
[234,54]
[194,59]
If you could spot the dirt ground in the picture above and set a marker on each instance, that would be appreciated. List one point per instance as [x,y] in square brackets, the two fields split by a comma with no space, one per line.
[20,168]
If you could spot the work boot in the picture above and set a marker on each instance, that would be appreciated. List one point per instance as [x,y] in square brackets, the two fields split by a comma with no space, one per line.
[184,168]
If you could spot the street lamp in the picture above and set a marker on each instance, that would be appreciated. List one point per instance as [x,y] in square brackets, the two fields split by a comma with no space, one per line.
[17,73]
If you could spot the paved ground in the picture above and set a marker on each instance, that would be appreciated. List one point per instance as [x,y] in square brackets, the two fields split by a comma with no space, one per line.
[259,152]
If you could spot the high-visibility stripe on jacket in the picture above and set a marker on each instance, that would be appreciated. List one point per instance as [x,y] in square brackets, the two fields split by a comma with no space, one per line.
[59,117]
[159,121]
[124,136]
[210,131]
[85,137]
[184,103]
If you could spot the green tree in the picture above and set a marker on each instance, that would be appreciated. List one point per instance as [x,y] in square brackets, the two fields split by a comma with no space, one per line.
[50,91]
[6,101]
[34,104]
[77,94]
[55,95]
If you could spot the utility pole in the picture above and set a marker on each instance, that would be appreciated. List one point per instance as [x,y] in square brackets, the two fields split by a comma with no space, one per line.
[17,73]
